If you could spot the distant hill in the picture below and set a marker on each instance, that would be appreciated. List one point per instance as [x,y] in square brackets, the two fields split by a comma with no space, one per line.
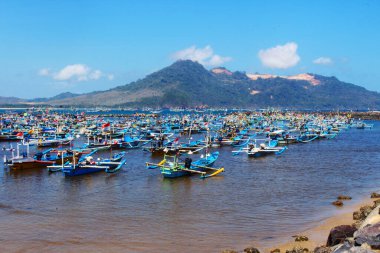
[61,96]
[10,100]
[189,84]
[15,101]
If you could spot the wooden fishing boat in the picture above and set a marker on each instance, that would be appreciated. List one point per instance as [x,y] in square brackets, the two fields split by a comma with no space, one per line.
[283,137]
[21,163]
[88,165]
[171,167]
[24,160]
[98,146]
[328,135]
[160,147]
[307,137]
[49,141]
[58,156]
[133,143]
[362,125]
[4,136]
[266,147]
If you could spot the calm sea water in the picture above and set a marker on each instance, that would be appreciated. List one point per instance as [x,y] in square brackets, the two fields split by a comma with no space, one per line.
[136,210]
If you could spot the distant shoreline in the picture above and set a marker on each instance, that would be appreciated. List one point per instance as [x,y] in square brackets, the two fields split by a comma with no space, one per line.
[362,115]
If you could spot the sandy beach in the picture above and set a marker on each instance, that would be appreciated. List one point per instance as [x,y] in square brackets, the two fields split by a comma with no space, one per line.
[318,234]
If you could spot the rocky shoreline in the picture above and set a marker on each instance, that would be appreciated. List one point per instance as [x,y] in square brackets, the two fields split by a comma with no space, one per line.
[359,233]
[373,115]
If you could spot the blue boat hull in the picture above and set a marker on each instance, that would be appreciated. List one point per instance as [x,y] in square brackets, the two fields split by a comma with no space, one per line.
[79,171]
[174,174]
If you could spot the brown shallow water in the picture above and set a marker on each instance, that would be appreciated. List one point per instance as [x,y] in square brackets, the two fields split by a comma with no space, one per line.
[136,210]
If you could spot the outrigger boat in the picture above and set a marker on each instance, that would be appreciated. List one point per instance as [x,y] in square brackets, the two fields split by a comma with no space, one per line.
[99,144]
[307,137]
[327,135]
[266,147]
[171,167]
[159,147]
[87,165]
[53,141]
[133,143]
[10,136]
[57,156]
[362,125]
[283,137]
[24,161]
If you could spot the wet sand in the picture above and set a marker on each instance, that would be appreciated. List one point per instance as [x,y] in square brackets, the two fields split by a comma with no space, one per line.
[319,233]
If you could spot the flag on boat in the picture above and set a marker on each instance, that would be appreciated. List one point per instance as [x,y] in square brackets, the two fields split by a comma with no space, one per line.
[106,125]
[176,140]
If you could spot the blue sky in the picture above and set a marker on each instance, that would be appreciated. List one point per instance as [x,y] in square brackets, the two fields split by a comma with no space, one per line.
[49,47]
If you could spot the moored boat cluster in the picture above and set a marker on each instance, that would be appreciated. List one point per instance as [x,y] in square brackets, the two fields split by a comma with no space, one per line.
[187,142]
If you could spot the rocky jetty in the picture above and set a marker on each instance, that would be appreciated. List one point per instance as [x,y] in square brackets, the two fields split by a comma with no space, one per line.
[361,237]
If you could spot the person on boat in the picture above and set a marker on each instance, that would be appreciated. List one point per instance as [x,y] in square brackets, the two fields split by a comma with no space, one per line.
[88,160]
[188,162]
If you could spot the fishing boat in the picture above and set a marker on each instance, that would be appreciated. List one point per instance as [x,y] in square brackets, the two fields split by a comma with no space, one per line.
[160,147]
[307,137]
[362,125]
[172,167]
[328,135]
[261,147]
[7,136]
[97,144]
[24,160]
[132,143]
[88,165]
[48,140]
[58,156]
[283,137]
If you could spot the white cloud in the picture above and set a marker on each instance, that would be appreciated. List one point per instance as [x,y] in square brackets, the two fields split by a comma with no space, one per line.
[110,77]
[281,56]
[95,75]
[75,72]
[323,61]
[204,56]
[44,72]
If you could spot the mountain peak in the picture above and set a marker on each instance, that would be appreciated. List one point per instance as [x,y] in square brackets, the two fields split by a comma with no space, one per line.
[65,95]
[186,64]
